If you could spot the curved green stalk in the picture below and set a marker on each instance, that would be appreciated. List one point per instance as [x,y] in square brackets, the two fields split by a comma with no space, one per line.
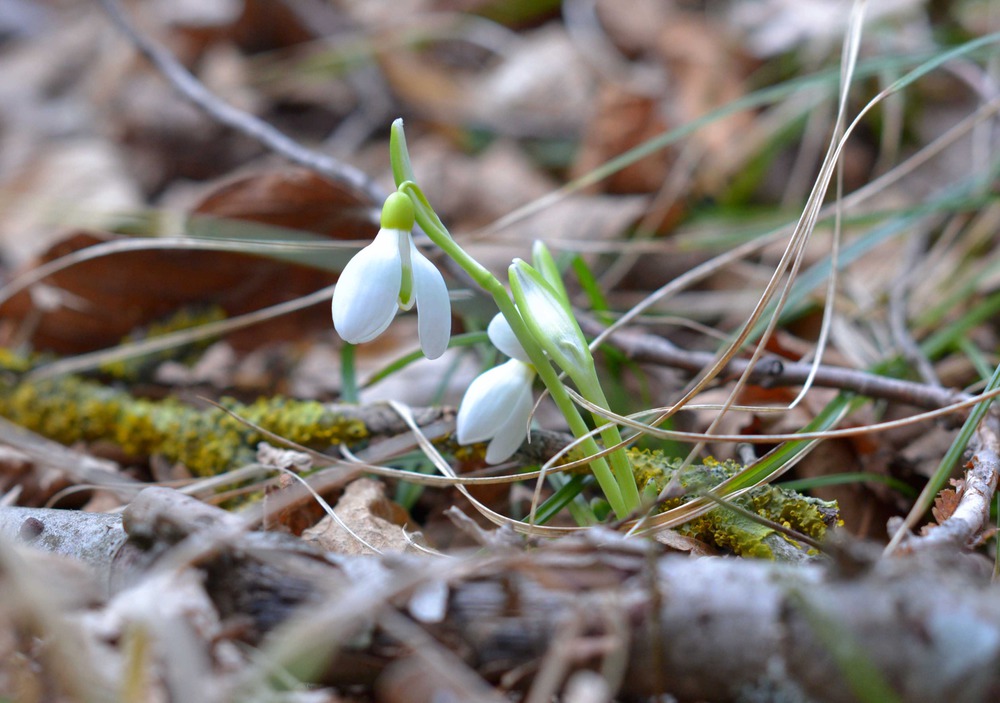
[618,484]
[438,234]
[591,389]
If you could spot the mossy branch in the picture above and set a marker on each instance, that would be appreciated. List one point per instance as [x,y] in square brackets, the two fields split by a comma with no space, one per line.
[210,441]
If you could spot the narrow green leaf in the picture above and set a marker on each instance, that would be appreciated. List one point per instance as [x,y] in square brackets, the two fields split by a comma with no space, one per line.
[348,374]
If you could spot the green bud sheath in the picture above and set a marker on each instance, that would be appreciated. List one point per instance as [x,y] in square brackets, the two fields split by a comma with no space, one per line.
[549,321]
[399,155]
[546,265]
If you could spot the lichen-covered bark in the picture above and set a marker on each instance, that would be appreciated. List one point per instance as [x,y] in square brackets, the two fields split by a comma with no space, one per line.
[207,440]
[731,531]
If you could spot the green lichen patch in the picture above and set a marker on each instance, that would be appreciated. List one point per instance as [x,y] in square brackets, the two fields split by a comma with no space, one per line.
[208,441]
[724,528]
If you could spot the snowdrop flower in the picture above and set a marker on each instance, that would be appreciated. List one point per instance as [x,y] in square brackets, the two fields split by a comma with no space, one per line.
[498,404]
[389,275]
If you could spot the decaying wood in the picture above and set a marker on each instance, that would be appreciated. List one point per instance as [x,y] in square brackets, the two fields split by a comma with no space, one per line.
[92,538]
[699,629]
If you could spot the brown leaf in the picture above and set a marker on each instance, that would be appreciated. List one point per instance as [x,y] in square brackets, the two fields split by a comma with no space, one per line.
[622,120]
[429,89]
[947,501]
[103,299]
[252,25]
[295,198]
[370,516]
[544,87]
[681,543]
[707,74]
[703,73]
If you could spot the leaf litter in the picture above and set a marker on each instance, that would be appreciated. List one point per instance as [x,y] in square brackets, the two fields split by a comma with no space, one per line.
[100,151]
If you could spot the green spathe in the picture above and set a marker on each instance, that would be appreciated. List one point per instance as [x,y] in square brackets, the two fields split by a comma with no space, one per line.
[546,265]
[549,321]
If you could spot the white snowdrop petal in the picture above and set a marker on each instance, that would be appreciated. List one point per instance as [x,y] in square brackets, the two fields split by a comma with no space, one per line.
[375,332]
[510,435]
[433,305]
[490,400]
[365,299]
[478,415]
[503,338]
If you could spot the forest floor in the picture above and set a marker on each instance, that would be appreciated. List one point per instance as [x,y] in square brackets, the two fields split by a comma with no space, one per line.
[775,224]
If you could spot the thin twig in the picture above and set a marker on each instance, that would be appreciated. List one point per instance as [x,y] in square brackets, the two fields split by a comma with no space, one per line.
[184,82]
[772,372]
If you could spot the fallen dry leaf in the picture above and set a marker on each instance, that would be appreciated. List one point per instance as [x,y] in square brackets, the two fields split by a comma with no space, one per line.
[945,503]
[544,87]
[371,516]
[680,543]
[622,120]
[79,181]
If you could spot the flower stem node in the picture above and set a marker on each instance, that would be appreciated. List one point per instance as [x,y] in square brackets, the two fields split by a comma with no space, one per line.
[389,275]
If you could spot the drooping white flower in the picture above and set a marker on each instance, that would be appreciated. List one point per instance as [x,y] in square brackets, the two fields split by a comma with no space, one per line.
[389,275]
[498,404]
[497,407]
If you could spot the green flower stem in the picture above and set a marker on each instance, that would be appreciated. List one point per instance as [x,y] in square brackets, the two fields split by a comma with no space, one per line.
[605,476]
[618,483]
[438,234]
[591,389]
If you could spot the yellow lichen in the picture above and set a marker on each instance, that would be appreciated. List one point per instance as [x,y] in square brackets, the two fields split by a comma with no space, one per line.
[207,440]
[724,528]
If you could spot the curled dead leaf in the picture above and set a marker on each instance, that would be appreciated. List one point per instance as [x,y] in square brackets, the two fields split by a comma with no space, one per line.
[945,503]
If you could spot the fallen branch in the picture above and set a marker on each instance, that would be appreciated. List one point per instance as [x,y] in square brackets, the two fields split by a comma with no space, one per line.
[926,626]
[772,371]
[970,519]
